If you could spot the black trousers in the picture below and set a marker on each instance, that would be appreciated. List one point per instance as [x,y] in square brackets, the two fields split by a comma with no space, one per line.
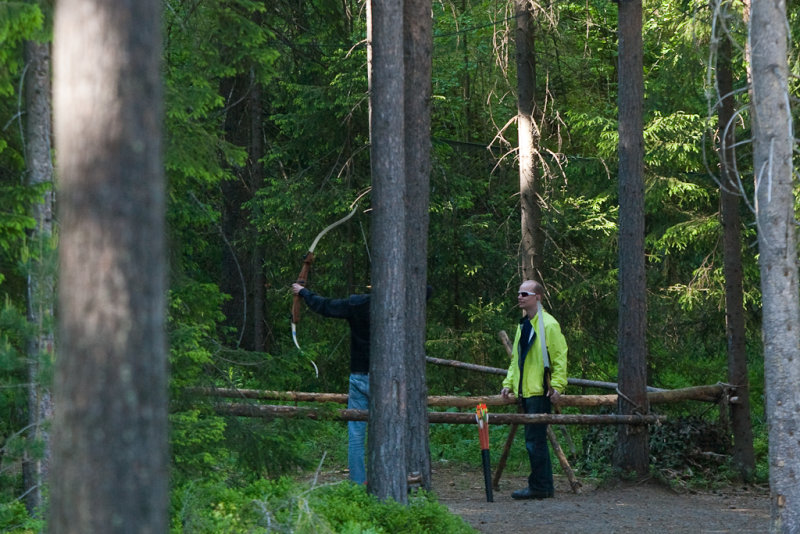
[541,477]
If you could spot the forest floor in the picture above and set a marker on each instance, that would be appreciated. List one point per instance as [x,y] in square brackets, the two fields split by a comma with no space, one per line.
[641,508]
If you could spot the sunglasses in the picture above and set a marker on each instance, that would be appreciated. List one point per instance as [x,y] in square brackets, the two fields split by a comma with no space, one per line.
[525,294]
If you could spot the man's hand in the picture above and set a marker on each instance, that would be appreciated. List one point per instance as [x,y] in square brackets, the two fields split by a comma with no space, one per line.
[296,288]
[506,393]
[555,396]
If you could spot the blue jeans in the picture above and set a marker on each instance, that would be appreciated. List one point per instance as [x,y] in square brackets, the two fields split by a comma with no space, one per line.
[541,477]
[357,430]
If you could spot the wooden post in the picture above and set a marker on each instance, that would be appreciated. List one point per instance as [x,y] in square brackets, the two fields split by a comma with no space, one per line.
[574,483]
[501,463]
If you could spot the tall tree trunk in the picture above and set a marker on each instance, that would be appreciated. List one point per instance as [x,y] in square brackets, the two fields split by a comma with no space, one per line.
[777,240]
[41,278]
[242,272]
[529,186]
[388,395]
[237,262]
[466,80]
[632,441]
[743,454]
[255,154]
[109,470]
[418,44]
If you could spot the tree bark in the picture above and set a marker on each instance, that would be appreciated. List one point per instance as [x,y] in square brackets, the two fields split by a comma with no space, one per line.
[109,471]
[743,453]
[255,153]
[387,440]
[529,180]
[41,280]
[237,263]
[632,442]
[775,214]
[418,45]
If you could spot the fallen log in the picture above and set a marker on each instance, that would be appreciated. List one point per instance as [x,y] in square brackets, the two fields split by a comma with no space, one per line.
[271,411]
[710,393]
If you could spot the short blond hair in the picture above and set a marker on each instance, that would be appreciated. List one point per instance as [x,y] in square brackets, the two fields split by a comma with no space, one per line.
[538,288]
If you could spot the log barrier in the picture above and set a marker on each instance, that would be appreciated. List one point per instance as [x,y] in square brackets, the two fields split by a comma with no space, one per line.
[709,393]
[270,411]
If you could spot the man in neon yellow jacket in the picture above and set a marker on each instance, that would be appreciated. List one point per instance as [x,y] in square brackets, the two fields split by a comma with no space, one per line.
[537,376]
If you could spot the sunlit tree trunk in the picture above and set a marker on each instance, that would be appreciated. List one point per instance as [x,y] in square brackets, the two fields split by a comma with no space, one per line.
[387,448]
[41,273]
[743,454]
[777,244]
[631,454]
[418,44]
[109,470]
[529,179]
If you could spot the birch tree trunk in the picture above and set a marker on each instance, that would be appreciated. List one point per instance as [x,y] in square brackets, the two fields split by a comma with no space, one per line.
[41,274]
[386,474]
[632,442]
[109,471]
[777,241]
[418,45]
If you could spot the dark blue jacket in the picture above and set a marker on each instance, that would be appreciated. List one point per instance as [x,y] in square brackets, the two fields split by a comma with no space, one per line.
[355,309]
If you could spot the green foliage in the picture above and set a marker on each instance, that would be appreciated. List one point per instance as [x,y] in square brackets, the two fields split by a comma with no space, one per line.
[673,141]
[348,508]
[283,506]
[226,447]
[15,221]
[194,311]
[458,445]
[197,444]
[18,21]
[14,444]
[14,519]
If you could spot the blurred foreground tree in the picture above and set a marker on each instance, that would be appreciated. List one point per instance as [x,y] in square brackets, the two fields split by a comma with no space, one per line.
[109,469]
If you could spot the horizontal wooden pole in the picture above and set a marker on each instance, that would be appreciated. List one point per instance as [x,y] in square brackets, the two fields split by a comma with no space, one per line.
[580,382]
[271,411]
[294,396]
[710,393]
[469,366]
[584,383]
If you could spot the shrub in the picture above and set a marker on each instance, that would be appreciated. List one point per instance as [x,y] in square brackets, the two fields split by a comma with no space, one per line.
[285,506]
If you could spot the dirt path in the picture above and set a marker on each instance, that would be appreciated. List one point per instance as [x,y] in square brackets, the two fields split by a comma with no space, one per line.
[635,508]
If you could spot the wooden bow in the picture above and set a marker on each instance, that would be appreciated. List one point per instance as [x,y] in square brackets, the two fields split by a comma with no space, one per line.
[305,270]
